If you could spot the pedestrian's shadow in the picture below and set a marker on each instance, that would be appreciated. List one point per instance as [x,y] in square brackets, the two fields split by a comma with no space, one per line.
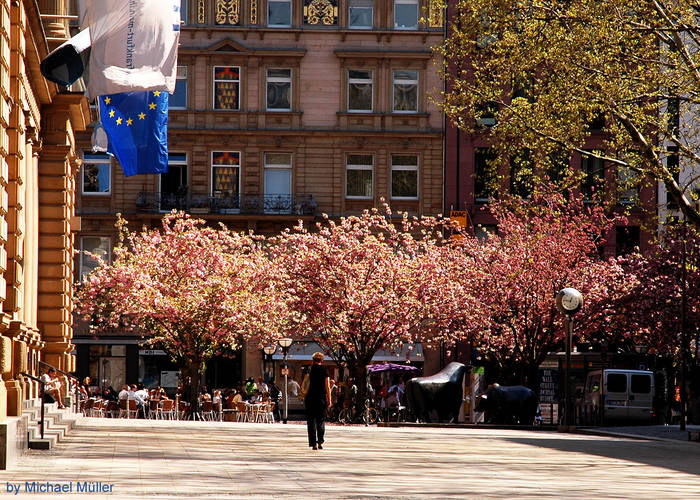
[655,453]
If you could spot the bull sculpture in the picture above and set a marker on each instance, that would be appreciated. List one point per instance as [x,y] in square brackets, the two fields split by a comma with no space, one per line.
[515,404]
[438,397]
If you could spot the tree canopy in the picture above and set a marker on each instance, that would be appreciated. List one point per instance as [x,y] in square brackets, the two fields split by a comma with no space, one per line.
[193,290]
[368,282]
[543,244]
[551,72]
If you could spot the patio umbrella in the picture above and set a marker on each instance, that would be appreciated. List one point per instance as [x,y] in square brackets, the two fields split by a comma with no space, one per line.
[391,367]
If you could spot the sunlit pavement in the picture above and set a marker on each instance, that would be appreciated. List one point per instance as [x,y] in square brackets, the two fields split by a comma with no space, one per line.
[165,459]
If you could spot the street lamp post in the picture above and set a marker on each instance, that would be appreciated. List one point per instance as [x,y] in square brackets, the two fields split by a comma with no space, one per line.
[568,302]
[269,350]
[285,344]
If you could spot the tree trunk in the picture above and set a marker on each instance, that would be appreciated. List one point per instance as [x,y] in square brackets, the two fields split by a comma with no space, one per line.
[195,375]
[358,369]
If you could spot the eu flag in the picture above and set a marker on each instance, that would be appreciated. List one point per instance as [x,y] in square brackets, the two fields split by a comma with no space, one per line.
[137,126]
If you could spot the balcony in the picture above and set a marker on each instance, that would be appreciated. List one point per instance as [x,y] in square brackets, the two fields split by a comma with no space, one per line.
[269,204]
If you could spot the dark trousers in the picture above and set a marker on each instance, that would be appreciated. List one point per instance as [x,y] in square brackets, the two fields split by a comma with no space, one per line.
[316,426]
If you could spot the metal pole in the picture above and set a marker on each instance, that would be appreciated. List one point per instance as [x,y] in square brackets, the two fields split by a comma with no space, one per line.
[42,384]
[367,397]
[286,371]
[567,366]
[684,336]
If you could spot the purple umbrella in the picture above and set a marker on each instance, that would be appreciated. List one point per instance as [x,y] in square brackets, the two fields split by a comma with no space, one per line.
[391,367]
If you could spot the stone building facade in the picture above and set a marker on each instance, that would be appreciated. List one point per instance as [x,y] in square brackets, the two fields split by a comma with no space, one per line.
[284,110]
[38,163]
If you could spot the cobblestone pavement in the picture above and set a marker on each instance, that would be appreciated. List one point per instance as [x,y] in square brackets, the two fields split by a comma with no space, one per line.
[164,459]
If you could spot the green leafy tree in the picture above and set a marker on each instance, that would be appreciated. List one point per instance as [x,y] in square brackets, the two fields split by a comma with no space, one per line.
[549,73]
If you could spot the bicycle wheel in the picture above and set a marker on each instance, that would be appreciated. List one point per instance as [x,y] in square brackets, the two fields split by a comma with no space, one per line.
[370,416]
[344,416]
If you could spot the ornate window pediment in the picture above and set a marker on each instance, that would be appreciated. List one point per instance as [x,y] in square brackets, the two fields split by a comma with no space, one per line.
[321,12]
[228,45]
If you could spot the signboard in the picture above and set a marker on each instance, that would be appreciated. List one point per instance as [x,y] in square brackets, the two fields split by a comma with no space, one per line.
[548,386]
[118,350]
[169,378]
[549,364]
[459,216]
[549,413]
[151,352]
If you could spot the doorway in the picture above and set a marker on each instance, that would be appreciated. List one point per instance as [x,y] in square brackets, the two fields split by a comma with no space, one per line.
[112,372]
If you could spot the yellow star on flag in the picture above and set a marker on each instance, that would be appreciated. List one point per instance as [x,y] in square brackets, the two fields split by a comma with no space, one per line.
[152,106]
[108,100]
[119,121]
[129,121]
[142,116]
[111,113]
[156,93]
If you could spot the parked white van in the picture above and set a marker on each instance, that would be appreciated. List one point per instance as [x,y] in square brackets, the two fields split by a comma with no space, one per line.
[627,394]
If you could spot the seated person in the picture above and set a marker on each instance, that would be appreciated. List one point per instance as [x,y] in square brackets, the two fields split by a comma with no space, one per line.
[256,397]
[52,387]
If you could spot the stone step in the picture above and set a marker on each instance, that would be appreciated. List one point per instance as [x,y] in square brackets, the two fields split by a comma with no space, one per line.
[43,444]
[34,432]
[57,424]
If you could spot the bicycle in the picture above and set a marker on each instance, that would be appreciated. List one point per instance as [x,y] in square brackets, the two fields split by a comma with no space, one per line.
[354,415]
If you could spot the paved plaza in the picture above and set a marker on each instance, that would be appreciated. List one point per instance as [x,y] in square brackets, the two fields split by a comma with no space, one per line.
[165,459]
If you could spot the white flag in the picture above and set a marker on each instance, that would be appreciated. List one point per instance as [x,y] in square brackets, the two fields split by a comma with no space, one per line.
[134,45]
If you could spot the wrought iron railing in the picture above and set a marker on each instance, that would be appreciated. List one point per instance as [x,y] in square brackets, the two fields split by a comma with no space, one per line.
[268,204]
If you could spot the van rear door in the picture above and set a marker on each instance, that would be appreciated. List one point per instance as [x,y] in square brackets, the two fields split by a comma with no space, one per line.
[615,396]
[641,396]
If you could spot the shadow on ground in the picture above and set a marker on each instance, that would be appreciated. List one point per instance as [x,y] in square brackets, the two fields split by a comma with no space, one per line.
[639,451]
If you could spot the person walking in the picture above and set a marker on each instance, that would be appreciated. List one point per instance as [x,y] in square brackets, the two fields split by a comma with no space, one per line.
[317,400]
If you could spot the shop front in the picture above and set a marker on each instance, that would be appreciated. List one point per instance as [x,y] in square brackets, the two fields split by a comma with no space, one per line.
[299,359]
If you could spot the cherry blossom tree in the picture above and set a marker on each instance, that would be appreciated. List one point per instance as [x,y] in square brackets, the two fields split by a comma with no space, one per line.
[193,290]
[368,282]
[649,305]
[543,244]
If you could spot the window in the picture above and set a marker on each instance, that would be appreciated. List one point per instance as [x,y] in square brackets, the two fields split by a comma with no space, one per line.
[485,178]
[521,174]
[627,185]
[173,183]
[485,115]
[279,13]
[278,183]
[227,81]
[640,384]
[228,12]
[404,177]
[405,91]
[279,89]
[360,14]
[360,91]
[97,245]
[484,231]
[673,115]
[626,239]
[359,176]
[321,12]
[617,382]
[179,99]
[406,14]
[226,180]
[673,166]
[593,176]
[97,174]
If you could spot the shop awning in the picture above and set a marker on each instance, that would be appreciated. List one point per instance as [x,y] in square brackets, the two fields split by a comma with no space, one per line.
[302,351]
